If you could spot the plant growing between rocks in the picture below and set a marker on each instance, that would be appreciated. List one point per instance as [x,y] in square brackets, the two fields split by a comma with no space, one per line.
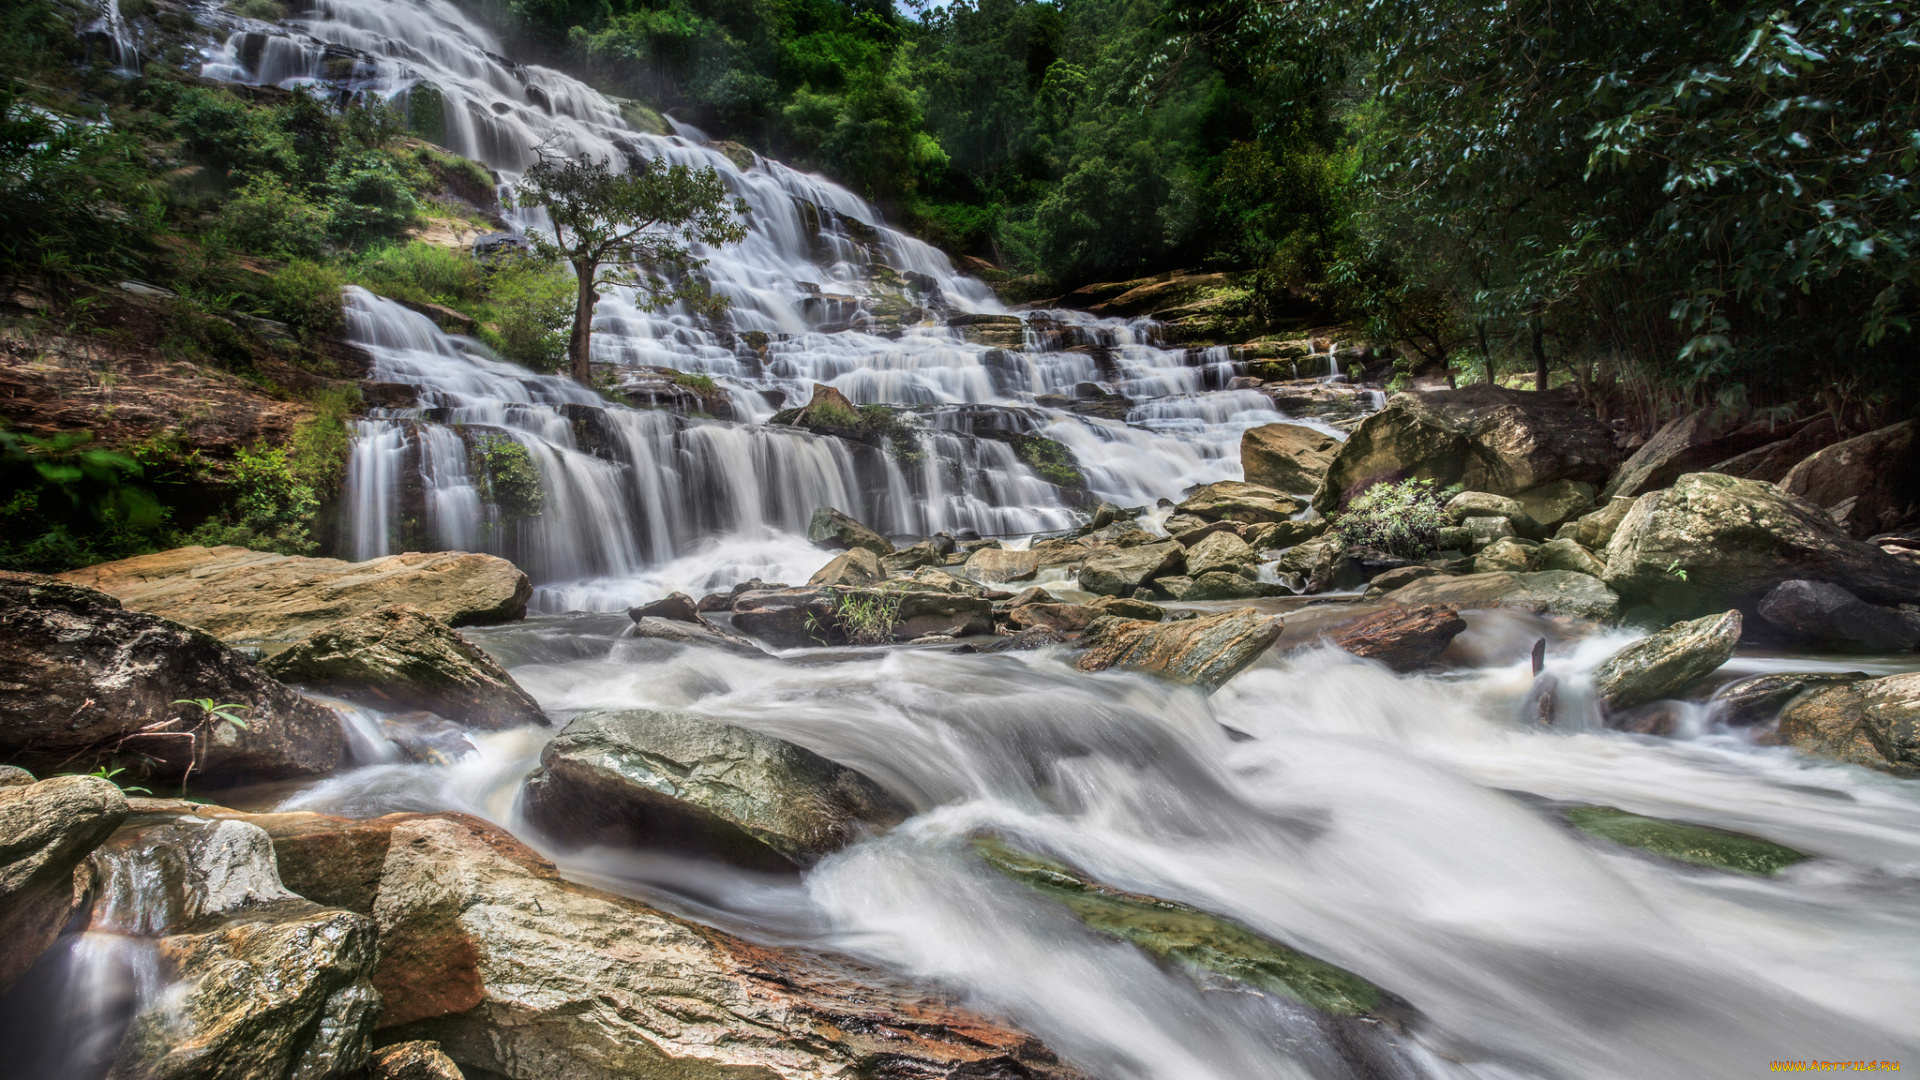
[1401,517]
[504,472]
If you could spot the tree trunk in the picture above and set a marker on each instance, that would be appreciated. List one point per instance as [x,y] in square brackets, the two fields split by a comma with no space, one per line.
[580,345]
[1539,354]
[1486,353]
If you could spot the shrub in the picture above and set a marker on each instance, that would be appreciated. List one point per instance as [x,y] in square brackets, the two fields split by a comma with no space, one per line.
[700,383]
[868,617]
[422,272]
[1402,517]
[533,306]
[272,509]
[317,453]
[269,217]
[371,200]
[306,296]
[505,474]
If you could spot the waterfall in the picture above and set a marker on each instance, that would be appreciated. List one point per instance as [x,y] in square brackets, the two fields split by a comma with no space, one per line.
[821,291]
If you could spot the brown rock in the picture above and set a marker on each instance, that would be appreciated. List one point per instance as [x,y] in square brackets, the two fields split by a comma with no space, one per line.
[1063,617]
[1875,722]
[240,595]
[997,564]
[1403,638]
[1868,484]
[398,658]
[46,830]
[1246,504]
[1198,652]
[1286,457]
[1773,461]
[1687,444]
[417,1060]
[680,607]
[855,567]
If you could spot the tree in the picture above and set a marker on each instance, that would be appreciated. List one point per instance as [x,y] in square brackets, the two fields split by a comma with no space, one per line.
[629,228]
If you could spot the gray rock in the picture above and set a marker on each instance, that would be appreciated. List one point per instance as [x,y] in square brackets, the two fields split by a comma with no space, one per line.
[1483,531]
[999,565]
[1487,438]
[913,557]
[1865,483]
[1543,592]
[1481,504]
[1119,573]
[1232,500]
[1662,664]
[1503,555]
[663,780]
[398,658]
[1222,551]
[1551,505]
[1594,531]
[1280,535]
[428,739]
[1820,614]
[694,633]
[1215,585]
[1204,652]
[1286,457]
[1875,723]
[1567,554]
[82,680]
[830,528]
[46,830]
[1758,699]
[1714,542]
[1687,444]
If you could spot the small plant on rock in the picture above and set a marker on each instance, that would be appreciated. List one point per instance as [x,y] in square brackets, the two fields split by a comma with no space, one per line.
[1400,517]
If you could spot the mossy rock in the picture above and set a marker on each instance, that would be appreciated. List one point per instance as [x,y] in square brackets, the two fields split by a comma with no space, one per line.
[1202,943]
[1696,844]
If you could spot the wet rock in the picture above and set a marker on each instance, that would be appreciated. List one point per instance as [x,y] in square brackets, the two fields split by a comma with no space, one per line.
[1758,699]
[1402,638]
[1696,844]
[82,680]
[1868,484]
[997,565]
[1875,722]
[515,972]
[1482,504]
[662,780]
[1687,444]
[1192,530]
[789,618]
[1317,563]
[1661,664]
[1194,940]
[1032,594]
[1543,592]
[695,633]
[1487,438]
[1127,608]
[1551,505]
[1820,614]
[1107,513]
[1204,652]
[428,739]
[924,612]
[1505,555]
[1773,461]
[1034,637]
[1484,531]
[245,596]
[264,983]
[913,557]
[1542,702]
[1567,554]
[399,657]
[678,607]
[1286,457]
[1389,580]
[1231,500]
[1119,573]
[1713,542]
[830,528]
[1225,552]
[46,830]
[1284,534]
[418,1060]
[854,568]
[1215,585]
[1066,618]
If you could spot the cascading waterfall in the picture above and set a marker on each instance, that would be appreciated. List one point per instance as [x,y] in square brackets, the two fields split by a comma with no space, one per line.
[817,289]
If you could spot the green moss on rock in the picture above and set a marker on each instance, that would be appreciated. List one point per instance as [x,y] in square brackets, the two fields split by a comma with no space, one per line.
[1696,844]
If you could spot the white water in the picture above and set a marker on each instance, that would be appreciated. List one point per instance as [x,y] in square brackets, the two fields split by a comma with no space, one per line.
[1370,820]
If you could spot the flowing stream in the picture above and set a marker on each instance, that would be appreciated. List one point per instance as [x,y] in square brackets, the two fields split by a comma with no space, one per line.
[1401,827]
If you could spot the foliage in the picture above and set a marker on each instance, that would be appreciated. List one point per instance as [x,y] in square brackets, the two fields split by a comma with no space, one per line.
[1402,517]
[103,772]
[421,272]
[212,710]
[272,508]
[306,296]
[1052,460]
[317,453]
[703,384]
[270,216]
[506,476]
[627,228]
[72,503]
[869,616]
[74,199]
[532,307]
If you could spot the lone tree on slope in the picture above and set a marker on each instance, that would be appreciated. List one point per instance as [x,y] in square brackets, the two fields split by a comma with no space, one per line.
[631,228]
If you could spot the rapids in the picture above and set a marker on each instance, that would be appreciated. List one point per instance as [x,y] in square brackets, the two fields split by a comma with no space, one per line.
[1401,827]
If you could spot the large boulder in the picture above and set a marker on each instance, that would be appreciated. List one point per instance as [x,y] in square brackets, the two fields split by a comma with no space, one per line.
[995,565]
[1773,461]
[648,778]
[1402,638]
[517,973]
[1873,722]
[1119,573]
[1594,530]
[1661,664]
[1551,505]
[1869,484]
[1247,504]
[1286,457]
[856,566]
[1204,653]
[1544,592]
[899,610]
[1222,551]
[261,982]
[698,632]
[46,830]
[830,528]
[399,658]
[789,618]
[1689,443]
[1758,699]
[1565,554]
[1712,542]
[239,595]
[1485,437]
[1824,615]
[82,680]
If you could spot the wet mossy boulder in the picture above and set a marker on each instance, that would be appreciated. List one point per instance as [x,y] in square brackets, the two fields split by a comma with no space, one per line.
[46,830]
[1660,665]
[1696,844]
[1543,592]
[1204,944]
[1120,572]
[1873,722]
[1203,653]
[670,781]
[832,529]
